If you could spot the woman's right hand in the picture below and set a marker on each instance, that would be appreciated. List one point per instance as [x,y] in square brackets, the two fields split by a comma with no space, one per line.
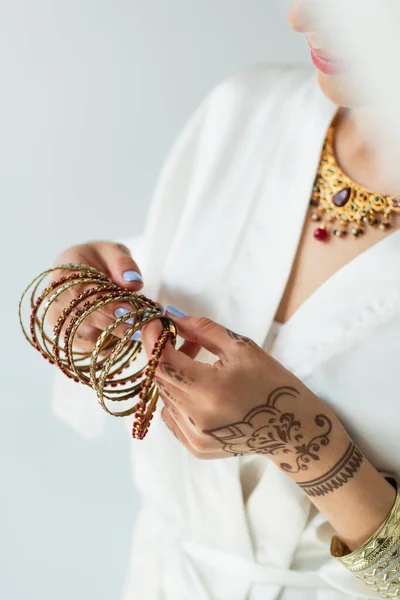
[114,260]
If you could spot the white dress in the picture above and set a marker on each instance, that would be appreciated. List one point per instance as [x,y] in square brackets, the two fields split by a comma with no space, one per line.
[220,240]
[311,551]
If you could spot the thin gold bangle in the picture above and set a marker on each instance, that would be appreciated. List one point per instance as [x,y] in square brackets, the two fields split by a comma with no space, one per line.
[104,374]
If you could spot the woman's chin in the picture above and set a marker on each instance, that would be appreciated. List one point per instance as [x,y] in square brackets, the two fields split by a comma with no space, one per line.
[340,89]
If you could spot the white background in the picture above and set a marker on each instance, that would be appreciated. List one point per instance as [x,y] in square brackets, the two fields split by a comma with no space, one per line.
[93,94]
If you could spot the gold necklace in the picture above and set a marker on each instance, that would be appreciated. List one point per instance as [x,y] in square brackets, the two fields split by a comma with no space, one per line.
[338,198]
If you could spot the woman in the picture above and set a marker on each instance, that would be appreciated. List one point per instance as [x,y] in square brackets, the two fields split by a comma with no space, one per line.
[295,322]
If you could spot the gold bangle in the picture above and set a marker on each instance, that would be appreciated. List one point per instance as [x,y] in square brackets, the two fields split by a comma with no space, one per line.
[104,374]
[377,561]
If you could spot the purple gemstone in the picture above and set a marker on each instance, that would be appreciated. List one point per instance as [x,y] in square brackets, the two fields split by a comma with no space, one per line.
[395,202]
[342,198]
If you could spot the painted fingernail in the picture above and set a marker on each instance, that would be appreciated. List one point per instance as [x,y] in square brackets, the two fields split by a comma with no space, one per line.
[120,312]
[132,276]
[136,336]
[175,311]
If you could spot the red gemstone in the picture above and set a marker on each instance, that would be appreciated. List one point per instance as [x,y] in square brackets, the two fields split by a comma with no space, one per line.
[321,234]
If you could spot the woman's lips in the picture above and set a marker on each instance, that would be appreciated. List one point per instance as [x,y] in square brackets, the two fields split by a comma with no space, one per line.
[327,64]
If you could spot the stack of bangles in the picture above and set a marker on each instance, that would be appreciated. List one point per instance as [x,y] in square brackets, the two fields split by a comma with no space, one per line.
[377,561]
[107,368]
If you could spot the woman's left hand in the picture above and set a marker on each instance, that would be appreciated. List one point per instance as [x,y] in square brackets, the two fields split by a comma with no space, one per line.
[245,403]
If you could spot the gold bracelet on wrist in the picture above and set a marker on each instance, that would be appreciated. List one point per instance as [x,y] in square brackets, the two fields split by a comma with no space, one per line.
[377,561]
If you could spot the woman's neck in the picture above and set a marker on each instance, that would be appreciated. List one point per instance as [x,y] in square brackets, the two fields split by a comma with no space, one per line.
[359,155]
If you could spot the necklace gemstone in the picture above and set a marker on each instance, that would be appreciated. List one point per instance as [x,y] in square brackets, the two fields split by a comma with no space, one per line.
[321,234]
[341,198]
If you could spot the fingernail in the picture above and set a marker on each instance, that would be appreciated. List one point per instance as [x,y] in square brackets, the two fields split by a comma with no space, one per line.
[121,311]
[175,311]
[161,307]
[137,336]
[132,276]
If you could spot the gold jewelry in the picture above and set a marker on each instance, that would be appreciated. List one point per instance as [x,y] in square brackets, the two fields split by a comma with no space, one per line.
[338,198]
[377,561]
[104,374]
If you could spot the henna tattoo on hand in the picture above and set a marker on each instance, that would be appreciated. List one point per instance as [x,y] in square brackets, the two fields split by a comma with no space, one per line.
[170,370]
[266,430]
[241,340]
[166,394]
[308,451]
[336,477]
[163,387]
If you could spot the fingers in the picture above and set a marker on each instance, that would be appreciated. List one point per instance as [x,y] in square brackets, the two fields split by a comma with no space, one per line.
[175,402]
[189,410]
[191,349]
[115,261]
[195,378]
[85,338]
[154,329]
[218,340]
[120,265]
[196,445]
[175,367]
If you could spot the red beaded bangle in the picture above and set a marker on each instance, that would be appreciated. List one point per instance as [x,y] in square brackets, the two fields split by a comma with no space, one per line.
[61,321]
[104,375]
